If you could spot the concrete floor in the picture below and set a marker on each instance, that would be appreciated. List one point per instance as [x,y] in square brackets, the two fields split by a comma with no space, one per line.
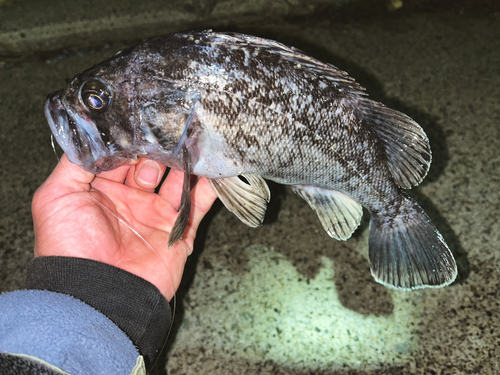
[285,298]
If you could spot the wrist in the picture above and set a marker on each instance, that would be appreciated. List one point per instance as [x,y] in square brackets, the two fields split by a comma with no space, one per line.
[132,303]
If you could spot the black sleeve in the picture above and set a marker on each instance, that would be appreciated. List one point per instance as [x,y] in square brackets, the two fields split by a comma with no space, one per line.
[135,305]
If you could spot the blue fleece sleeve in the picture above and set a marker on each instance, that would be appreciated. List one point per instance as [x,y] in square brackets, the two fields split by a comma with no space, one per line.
[64,332]
[135,305]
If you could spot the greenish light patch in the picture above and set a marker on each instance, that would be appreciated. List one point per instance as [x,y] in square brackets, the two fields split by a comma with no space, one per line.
[272,313]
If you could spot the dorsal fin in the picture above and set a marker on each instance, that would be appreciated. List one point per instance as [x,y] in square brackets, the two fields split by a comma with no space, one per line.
[404,142]
[328,73]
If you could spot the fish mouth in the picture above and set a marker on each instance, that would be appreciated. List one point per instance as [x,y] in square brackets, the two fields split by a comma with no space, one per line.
[79,137]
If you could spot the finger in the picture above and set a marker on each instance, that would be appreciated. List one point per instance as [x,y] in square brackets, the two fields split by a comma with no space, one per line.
[67,178]
[202,198]
[160,211]
[171,190]
[146,175]
[117,174]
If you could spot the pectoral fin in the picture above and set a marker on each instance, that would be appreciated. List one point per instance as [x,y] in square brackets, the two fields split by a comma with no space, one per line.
[248,201]
[339,214]
[185,208]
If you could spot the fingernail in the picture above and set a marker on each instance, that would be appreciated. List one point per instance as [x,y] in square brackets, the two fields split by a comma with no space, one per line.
[149,174]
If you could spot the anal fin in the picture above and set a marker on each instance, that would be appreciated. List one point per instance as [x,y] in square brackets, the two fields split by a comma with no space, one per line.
[339,214]
[248,201]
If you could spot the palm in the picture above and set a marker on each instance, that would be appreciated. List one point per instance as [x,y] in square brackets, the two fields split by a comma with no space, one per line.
[127,225]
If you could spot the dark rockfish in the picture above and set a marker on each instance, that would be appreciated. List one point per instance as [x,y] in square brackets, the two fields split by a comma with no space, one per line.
[224,105]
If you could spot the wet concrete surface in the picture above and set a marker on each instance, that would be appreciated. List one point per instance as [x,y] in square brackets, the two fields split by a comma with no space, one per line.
[285,298]
[32,27]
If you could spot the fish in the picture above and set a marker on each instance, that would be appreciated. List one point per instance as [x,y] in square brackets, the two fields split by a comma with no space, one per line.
[240,110]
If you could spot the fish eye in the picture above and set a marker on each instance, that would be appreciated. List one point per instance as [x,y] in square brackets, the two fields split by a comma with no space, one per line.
[95,95]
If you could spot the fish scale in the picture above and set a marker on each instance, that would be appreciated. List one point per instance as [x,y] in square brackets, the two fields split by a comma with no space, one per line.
[227,105]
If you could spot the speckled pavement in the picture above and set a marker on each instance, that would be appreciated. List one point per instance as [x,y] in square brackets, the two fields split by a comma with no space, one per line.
[285,298]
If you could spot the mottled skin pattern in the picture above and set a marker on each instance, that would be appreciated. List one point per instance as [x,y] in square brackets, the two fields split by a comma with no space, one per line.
[268,116]
[245,105]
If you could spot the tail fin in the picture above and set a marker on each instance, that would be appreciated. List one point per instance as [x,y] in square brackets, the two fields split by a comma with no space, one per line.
[407,251]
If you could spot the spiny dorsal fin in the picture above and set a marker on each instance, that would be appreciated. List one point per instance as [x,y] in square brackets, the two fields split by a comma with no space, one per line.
[328,73]
[405,143]
[248,201]
[339,214]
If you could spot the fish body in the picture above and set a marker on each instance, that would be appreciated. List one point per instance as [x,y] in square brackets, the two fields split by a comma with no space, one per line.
[223,105]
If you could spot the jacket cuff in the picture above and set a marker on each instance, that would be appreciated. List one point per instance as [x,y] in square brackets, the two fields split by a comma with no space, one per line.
[135,305]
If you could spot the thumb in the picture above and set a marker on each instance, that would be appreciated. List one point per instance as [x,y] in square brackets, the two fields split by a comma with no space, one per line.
[66,178]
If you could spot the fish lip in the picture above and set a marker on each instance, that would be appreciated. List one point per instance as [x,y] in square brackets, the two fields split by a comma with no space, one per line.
[57,118]
[82,148]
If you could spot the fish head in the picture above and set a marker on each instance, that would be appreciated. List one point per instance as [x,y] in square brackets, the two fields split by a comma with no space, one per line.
[116,112]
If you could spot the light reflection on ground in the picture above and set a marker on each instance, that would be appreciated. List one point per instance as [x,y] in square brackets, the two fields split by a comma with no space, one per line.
[272,313]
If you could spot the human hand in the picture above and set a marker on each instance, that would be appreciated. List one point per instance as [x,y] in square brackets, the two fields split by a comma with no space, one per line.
[77,214]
